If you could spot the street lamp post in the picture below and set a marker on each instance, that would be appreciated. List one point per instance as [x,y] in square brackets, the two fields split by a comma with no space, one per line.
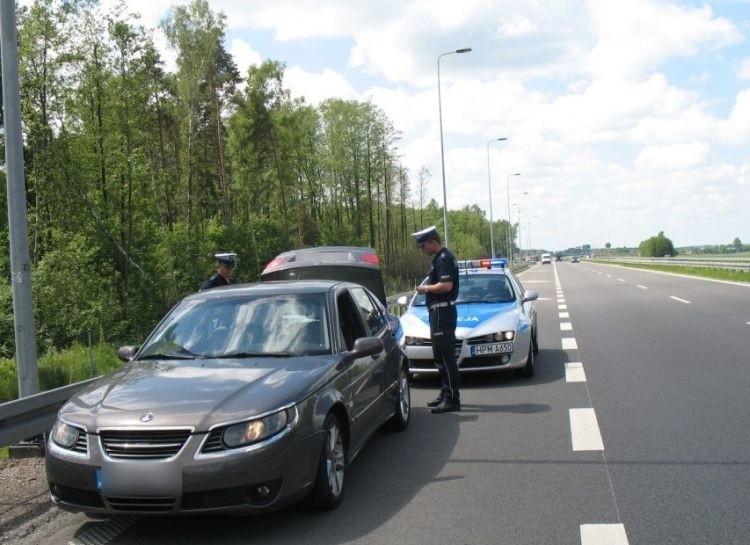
[442,156]
[489,185]
[510,229]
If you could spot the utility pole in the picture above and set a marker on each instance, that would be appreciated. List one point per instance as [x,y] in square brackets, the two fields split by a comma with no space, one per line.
[23,317]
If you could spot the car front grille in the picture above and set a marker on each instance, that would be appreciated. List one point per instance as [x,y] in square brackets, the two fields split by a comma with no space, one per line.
[143,444]
[82,445]
[155,504]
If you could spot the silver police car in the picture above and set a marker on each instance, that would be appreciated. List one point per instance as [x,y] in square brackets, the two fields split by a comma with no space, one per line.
[496,328]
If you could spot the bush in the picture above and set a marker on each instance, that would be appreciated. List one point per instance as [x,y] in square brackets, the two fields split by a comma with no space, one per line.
[61,368]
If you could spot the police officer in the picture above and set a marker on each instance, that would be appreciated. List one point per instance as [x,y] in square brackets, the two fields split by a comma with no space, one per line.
[225,264]
[441,289]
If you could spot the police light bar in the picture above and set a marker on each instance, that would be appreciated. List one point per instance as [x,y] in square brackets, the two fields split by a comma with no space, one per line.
[498,263]
[493,263]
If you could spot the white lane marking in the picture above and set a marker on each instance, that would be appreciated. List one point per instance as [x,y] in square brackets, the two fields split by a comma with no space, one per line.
[584,430]
[566,326]
[748,323]
[569,343]
[567,315]
[603,534]
[642,287]
[562,307]
[621,280]
[574,372]
[609,276]
[561,299]
[680,300]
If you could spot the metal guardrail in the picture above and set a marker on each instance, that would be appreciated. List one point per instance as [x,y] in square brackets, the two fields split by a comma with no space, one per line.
[35,414]
[736,264]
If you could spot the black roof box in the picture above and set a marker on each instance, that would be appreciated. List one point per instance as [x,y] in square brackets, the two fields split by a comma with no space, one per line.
[344,263]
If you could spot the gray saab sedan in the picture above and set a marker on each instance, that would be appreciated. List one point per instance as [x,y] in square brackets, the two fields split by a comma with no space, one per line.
[243,399]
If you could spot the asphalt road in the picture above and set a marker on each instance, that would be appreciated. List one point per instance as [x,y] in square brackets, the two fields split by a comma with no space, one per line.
[633,431]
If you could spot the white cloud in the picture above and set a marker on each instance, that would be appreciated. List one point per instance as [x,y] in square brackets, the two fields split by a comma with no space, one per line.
[244,55]
[316,87]
[672,157]
[744,71]
[639,35]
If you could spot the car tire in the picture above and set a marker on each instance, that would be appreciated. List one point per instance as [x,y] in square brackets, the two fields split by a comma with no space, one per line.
[530,367]
[328,489]
[400,419]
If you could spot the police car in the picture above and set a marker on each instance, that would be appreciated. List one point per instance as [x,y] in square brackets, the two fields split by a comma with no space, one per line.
[496,328]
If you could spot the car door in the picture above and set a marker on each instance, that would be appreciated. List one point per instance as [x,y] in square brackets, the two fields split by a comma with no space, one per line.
[365,375]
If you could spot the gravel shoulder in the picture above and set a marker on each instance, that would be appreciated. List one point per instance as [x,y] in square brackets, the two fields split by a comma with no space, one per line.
[25,506]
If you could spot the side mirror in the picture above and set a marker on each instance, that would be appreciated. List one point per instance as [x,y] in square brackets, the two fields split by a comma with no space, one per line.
[403,300]
[365,346]
[127,353]
[530,295]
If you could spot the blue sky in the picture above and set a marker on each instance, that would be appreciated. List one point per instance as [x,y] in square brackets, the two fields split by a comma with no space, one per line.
[623,118]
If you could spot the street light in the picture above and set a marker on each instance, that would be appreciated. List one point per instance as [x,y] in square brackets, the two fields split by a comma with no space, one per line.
[442,157]
[489,185]
[520,231]
[510,229]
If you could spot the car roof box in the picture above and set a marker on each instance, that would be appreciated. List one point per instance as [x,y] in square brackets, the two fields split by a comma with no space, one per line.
[343,263]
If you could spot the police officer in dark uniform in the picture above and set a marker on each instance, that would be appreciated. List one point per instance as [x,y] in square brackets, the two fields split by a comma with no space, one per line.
[225,264]
[441,289]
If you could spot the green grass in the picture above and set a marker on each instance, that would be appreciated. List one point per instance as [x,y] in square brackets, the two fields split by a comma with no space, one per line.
[716,274]
[4,453]
[60,368]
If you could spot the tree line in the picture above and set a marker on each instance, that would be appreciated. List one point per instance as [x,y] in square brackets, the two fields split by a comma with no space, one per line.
[136,176]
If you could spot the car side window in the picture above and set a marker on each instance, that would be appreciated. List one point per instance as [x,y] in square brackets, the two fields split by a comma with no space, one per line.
[371,314]
[349,318]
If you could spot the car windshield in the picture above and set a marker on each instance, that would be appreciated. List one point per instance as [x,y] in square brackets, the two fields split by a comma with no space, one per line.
[479,288]
[260,325]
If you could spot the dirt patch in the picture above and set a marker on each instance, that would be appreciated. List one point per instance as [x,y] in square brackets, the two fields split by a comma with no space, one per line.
[24,497]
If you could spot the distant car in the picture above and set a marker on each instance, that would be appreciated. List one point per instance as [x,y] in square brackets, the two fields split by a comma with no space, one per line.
[243,399]
[546,259]
[575,259]
[497,323]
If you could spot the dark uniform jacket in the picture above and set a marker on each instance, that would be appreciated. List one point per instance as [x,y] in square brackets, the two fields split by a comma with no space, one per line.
[215,281]
[444,269]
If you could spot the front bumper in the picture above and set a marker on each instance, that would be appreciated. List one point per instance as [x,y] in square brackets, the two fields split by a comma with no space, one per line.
[421,359]
[266,478]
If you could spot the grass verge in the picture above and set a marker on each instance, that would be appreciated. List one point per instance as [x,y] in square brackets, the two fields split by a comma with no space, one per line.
[716,274]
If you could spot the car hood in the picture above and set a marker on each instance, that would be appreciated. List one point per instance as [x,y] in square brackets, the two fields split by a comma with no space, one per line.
[197,393]
[472,319]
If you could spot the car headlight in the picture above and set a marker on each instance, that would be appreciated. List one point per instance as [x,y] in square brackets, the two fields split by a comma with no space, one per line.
[253,431]
[501,336]
[64,434]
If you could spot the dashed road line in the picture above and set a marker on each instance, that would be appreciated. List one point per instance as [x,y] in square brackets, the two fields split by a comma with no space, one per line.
[584,430]
[603,534]
[680,300]
[562,307]
[566,326]
[621,280]
[567,315]
[569,343]
[642,287]
[574,372]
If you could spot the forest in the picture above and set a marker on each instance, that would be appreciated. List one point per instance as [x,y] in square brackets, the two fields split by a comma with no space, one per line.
[135,175]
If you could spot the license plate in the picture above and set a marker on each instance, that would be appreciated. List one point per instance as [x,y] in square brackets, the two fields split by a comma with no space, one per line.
[489,349]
